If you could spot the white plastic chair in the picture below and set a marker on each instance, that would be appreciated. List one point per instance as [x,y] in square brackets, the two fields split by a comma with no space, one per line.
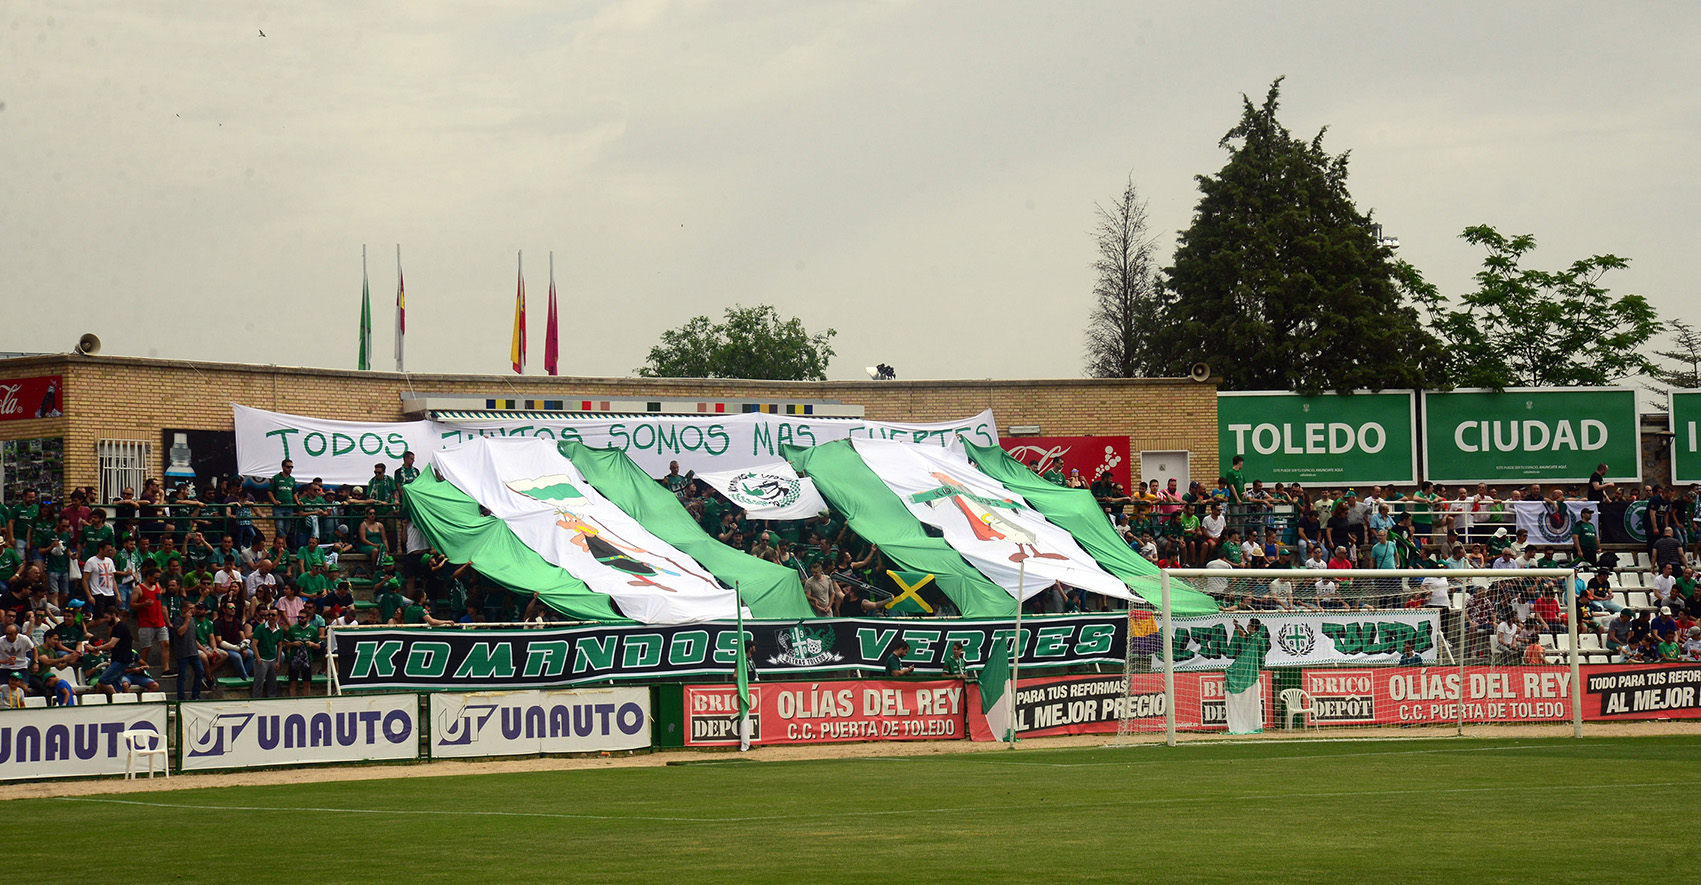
[152,696]
[124,697]
[34,701]
[144,742]
[92,699]
[1298,703]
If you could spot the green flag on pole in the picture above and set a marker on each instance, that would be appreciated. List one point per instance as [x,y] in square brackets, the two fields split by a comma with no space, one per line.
[365,317]
[743,661]
[995,700]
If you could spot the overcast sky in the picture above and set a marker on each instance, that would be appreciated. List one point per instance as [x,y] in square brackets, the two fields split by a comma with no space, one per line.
[919,176]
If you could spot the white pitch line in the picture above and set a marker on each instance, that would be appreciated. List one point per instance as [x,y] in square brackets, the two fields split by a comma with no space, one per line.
[882,813]
[1249,761]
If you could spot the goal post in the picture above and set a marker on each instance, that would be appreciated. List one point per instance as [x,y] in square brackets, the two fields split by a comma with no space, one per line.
[1351,651]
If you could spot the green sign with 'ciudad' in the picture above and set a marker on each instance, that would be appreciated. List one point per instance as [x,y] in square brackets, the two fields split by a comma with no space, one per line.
[1362,438]
[1531,435]
[1686,436]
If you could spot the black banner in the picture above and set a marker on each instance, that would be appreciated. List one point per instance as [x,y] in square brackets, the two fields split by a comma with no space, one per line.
[491,659]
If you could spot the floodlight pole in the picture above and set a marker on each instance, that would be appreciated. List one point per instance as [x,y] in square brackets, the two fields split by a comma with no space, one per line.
[1168,635]
[1016,651]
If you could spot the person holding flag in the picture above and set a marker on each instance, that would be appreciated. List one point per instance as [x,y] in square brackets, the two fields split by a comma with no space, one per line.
[1242,689]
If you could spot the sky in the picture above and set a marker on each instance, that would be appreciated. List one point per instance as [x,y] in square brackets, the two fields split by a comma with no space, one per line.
[921,177]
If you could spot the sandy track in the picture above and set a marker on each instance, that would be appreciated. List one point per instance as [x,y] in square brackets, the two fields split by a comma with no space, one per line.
[449,768]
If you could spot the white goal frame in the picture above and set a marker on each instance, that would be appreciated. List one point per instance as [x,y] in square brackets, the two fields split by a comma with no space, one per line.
[1167,623]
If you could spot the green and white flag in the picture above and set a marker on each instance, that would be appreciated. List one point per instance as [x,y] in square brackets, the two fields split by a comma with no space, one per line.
[768,491]
[743,661]
[996,700]
[988,524]
[548,504]
[365,317]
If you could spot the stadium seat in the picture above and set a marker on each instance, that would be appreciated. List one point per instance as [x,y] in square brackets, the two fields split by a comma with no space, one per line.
[1298,703]
[151,696]
[92,699]
[124,697]
[1589,642]
[1638,599]
[1561,558]
[1629,579]
[39,701]
[144,742]
[1643,561]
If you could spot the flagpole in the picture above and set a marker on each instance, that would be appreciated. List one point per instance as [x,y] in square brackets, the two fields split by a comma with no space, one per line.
[1016,652]
[401,309]
[743,678]
[364,362]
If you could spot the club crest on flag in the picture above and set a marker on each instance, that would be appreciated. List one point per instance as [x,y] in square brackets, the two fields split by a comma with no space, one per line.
[802,646]
[760,489]
[1297,639]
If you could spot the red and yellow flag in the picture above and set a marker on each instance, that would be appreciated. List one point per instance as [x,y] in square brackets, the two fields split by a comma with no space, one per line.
[517,351]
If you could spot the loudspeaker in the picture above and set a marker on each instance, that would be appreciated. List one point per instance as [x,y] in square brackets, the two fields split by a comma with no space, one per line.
[89,344]
[1200,372]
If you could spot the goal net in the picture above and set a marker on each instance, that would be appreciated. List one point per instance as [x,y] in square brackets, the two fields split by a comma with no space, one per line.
[1320,650]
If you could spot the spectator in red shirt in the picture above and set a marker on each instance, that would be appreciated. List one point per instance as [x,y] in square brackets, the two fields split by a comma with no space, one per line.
[150,617]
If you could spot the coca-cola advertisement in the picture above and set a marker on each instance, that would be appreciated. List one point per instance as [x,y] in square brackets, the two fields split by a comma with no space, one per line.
[25,399]
[1092,455]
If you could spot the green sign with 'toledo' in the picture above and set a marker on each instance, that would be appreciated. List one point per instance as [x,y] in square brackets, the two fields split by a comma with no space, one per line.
[1531,435]
[1363,439]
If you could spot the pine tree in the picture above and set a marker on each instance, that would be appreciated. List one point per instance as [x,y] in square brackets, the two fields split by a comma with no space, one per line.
[1685,354]
[1281,283]
[1125,297]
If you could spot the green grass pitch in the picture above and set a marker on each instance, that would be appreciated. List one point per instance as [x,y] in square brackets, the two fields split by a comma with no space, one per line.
[1458,810]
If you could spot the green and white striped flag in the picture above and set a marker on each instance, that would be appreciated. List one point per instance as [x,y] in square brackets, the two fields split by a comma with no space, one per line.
[996,701]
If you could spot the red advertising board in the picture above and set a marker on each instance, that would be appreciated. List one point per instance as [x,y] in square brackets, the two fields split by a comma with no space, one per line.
[1092,455]
[23,399]
[826,712]
[1642,691]
[1095,704]
[1408,695]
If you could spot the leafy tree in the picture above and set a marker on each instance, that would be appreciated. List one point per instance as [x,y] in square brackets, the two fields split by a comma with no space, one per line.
[1532,328]
[1685,354]
[753,342]
[1281,283]
[1125,298]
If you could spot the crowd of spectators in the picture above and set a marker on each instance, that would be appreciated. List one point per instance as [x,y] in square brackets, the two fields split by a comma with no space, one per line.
[238,579]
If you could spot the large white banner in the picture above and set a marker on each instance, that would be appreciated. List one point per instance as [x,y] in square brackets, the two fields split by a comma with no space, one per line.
[550,507]
[1309,638]
[1010,543]
[768,491]
[295,731]
[73,741]
[525,723]
[344,451]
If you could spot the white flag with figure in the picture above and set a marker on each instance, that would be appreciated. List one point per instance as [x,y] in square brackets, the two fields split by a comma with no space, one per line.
[990,525]
[768,491]
[550,507]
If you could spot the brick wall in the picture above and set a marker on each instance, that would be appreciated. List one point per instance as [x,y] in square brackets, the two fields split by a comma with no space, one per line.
[133,398]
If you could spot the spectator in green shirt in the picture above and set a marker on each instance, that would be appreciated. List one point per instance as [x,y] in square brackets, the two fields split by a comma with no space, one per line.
[268,638]
[280,493]
[96,533]
[301,648]
[381,489]
[1237,478]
